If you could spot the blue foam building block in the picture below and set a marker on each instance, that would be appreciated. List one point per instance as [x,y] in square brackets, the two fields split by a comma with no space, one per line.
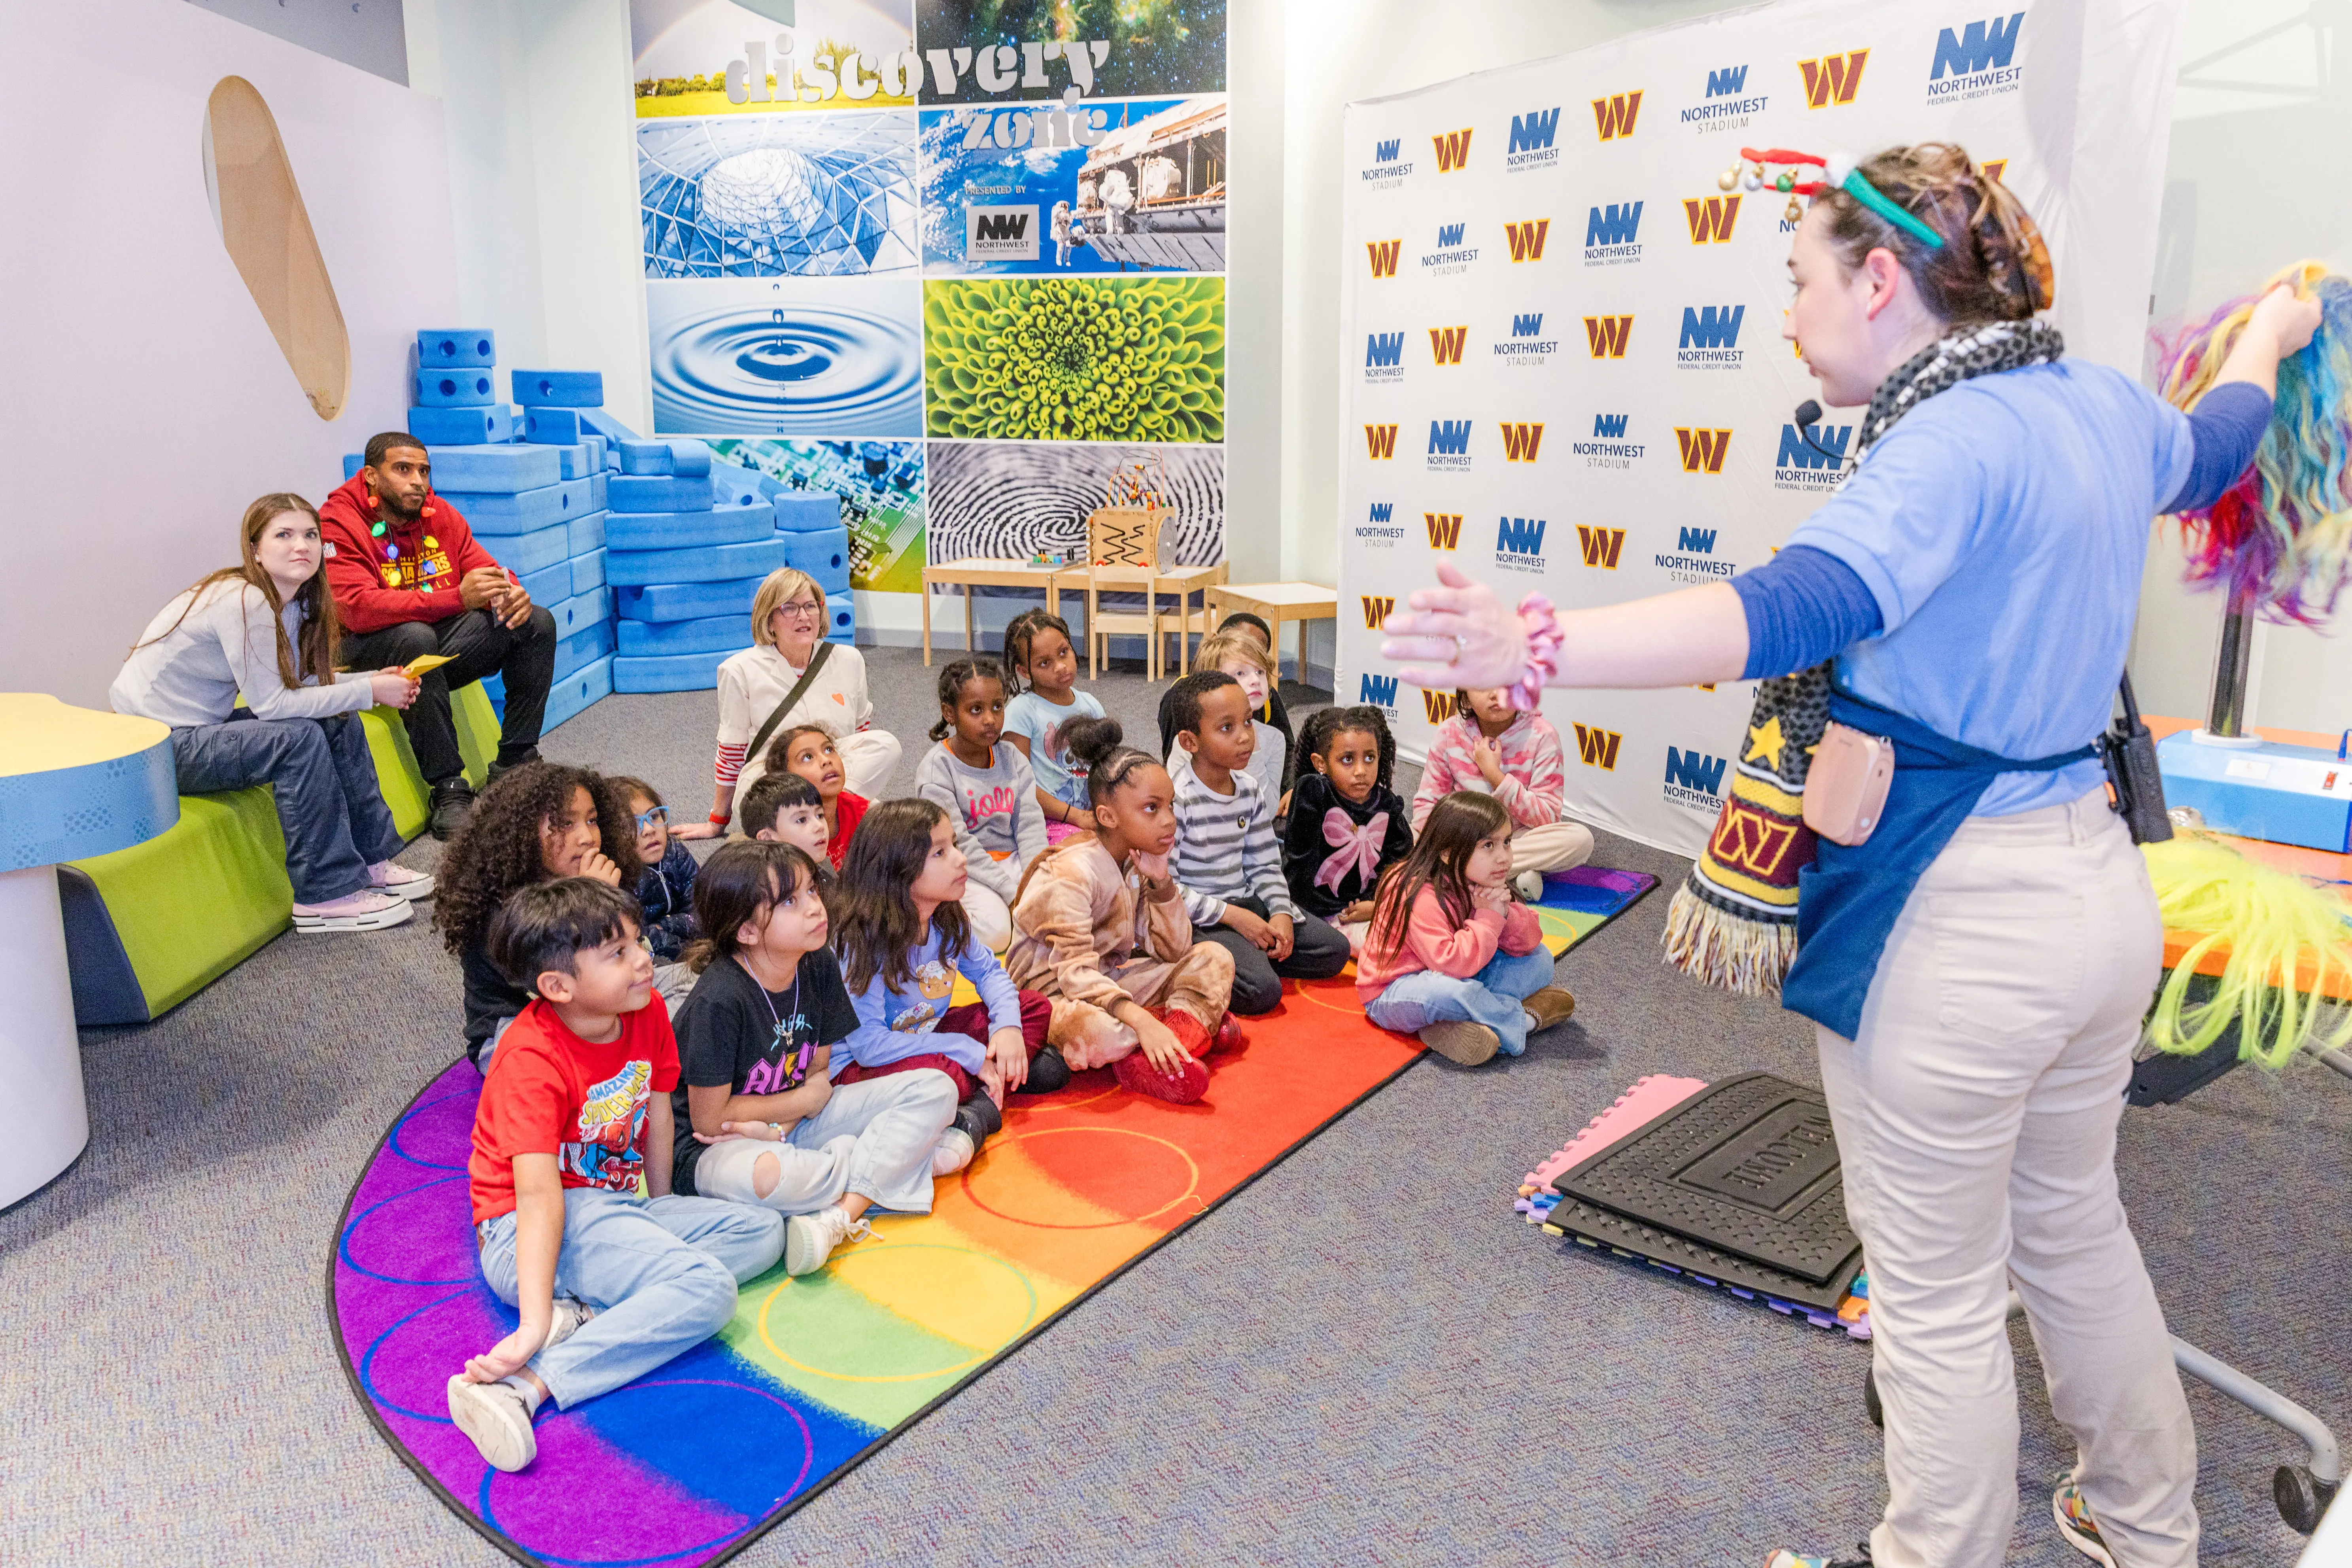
[704,634]
[549,584]
[824,556]
[587,534]
[597,450]
[558,389]
[584,646]
[581,609]
[807,512]
[567,697]
[576,464]
[670,671]
[731,483]
[498,470]
[438,346]
[460,427]
[688,601]
[588,572]
[552,426]
[840,618]
[673,531]
[456,388]
[604,425]
[600,490]
[523,512]
[525,553]
[698,563]
[644,456]
[352,463]
[658,492]
[689,457]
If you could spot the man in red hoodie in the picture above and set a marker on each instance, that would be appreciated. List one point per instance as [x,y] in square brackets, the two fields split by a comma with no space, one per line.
[408,580]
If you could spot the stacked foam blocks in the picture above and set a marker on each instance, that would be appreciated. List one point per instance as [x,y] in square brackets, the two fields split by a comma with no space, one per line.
[691,538]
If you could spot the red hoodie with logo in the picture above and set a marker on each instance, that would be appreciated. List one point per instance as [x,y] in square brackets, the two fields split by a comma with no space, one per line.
[383,571]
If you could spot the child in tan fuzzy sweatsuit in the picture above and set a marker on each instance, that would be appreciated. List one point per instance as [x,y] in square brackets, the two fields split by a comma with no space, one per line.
[1099,925]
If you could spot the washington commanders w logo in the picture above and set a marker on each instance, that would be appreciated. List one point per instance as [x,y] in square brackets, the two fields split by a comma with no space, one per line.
[1598,748]
[1528,238]
[1520,441]
[1445,343]
[1452,150]
[1747,842]
[1613,117]
[1445,529]
[1599,546]
[1832,78]
[1711,220]
[1608,335]
[1438,705]
[1380,440]
[1384,256]
[1376,611]
[1995,167]
[1703,450]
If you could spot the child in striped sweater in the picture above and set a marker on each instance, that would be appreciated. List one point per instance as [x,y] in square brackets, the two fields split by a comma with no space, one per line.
[1488,749]
[1228,860]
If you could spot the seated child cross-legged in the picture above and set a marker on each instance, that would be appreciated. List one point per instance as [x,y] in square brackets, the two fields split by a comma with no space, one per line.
[577,1106]
[1488,748]
[1452,956]
[1099,927]
[1346,824]
[769,1126]
[781,807]
[902,938]
[1038,648]
[1228,860]
[809,752]
[986,787]
[665,887]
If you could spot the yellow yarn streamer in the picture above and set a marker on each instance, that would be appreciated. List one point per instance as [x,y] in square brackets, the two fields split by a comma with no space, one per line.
[2289,954]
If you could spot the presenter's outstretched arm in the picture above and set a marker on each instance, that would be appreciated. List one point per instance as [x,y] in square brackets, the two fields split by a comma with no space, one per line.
[1684,639]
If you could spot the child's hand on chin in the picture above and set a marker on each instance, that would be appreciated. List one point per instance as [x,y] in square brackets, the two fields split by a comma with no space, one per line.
[1154,868]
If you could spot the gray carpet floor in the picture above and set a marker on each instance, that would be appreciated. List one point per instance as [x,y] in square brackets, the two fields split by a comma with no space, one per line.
[1363,1357]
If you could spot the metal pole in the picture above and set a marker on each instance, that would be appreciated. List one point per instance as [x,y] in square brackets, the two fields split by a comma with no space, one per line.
[2228,716]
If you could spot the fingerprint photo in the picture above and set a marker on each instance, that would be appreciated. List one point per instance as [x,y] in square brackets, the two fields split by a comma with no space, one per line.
[1008,499]
[757,196]
[806,357]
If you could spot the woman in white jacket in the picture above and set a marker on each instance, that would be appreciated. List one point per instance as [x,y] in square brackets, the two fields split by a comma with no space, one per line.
[265,629]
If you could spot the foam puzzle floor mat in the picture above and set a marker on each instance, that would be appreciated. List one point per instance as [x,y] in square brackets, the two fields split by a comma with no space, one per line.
[1578,902]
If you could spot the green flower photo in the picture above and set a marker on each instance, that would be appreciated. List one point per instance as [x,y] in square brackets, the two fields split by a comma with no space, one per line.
[1066,359]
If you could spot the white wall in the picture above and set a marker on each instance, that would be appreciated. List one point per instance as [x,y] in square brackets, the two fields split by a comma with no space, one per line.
[147,401]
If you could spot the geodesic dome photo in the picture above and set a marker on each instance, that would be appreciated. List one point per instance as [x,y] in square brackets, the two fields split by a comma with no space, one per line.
[761,195]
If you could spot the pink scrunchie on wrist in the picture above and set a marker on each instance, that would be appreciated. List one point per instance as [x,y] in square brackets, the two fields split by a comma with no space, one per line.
[1544,643]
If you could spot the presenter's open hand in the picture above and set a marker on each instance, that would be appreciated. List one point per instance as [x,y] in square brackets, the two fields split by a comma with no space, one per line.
[1463,634]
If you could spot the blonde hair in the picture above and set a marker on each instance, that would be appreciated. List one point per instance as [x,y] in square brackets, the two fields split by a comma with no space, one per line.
[780,586]
[1218,646]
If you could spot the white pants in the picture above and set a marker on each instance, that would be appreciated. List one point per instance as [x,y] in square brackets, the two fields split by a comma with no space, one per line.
[991,921]
[1551,846]
[1976,1121]
[868,758]
[874,1138]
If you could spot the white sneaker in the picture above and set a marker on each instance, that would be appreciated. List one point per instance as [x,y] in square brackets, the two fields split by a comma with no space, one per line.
[496,1416]
[954,1152]
[810,1238]
[1529,884]
[569,1317]
[369,910]
[399,881]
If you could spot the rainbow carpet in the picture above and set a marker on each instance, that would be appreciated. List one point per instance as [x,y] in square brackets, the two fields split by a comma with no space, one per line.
[688,1465]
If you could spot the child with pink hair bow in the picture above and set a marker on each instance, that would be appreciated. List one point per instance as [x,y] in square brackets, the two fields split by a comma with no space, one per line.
[1347,824]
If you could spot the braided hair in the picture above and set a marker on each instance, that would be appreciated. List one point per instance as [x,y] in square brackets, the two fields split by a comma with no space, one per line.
[1018,638]
[1326,726]
[1992,265]
[958,675]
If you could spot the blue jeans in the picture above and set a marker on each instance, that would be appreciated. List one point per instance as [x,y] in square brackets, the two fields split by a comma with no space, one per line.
[661,1273]
[323,778]
[1412,1003]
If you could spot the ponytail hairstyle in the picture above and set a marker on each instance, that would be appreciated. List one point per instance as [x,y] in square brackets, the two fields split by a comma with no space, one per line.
[739,885]
[1440,859]
[958,675]
[1992,265]
[780,749]
[1019,635]
[1097,743]
[876,929]
[321,631]
[1326,726]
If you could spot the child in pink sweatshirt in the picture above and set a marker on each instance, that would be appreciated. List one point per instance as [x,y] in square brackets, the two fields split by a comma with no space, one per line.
[1488,749]
[1452,956]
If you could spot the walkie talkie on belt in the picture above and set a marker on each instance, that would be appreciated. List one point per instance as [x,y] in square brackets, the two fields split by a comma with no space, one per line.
[2129,752]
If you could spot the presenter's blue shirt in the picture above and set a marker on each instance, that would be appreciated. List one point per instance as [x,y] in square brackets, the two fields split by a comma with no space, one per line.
[2002,526]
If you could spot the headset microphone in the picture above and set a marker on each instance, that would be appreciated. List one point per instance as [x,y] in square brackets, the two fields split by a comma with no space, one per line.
[1809,414]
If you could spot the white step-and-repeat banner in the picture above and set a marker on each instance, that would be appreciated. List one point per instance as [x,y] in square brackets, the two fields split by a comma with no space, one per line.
[1565,370]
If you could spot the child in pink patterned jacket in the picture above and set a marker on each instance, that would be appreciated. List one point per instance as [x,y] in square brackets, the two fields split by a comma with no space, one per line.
[1516,758]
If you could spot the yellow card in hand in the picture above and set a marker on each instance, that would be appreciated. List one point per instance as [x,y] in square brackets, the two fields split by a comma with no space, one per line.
[423,665]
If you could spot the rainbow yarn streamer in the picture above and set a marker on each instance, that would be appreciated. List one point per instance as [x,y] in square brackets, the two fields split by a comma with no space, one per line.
[2280,542]
[2289,954]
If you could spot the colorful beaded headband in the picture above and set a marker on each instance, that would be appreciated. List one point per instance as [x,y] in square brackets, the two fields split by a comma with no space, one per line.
[1839,172]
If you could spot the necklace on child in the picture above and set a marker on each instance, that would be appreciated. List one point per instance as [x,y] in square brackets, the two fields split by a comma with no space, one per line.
[800,1058]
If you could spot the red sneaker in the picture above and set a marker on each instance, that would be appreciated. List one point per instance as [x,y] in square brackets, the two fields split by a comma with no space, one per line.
[1138,1075]
[1229,1035]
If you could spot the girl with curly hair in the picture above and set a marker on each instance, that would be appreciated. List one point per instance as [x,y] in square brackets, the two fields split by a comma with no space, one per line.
[533,824]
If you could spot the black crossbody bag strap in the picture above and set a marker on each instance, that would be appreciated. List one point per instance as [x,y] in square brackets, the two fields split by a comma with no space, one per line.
[816,662]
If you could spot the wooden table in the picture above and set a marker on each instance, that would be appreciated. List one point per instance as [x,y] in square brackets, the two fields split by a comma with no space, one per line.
[1276,602]
[981,571]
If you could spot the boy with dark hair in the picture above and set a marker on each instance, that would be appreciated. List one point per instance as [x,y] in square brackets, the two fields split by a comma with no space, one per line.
[1228,861]
[787,808]
[575,1110]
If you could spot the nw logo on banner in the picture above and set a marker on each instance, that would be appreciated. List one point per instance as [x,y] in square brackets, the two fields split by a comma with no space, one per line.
[1728,82]
[1597,748]
[1438,705]
[1528,326]
[1599,546]
[1449,436]
[1384,253]
[1376,611]
[1520,441]
[1445,529]
[1834,79]
[1697,540]
[1610,427]
[1613,117]
[1380,690]
[1445,343]
[1712,326]
[1380,440]
[1384,348]
[1711,219]
[1813,446]
[1519,536]
[1449,234]
[1531,139]
[1608,335]
[1386,151]
[1981,47]
[1528,238]
[1616,224]
[1453,150]
[1703,450]
[1694,770]
[1382,510]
